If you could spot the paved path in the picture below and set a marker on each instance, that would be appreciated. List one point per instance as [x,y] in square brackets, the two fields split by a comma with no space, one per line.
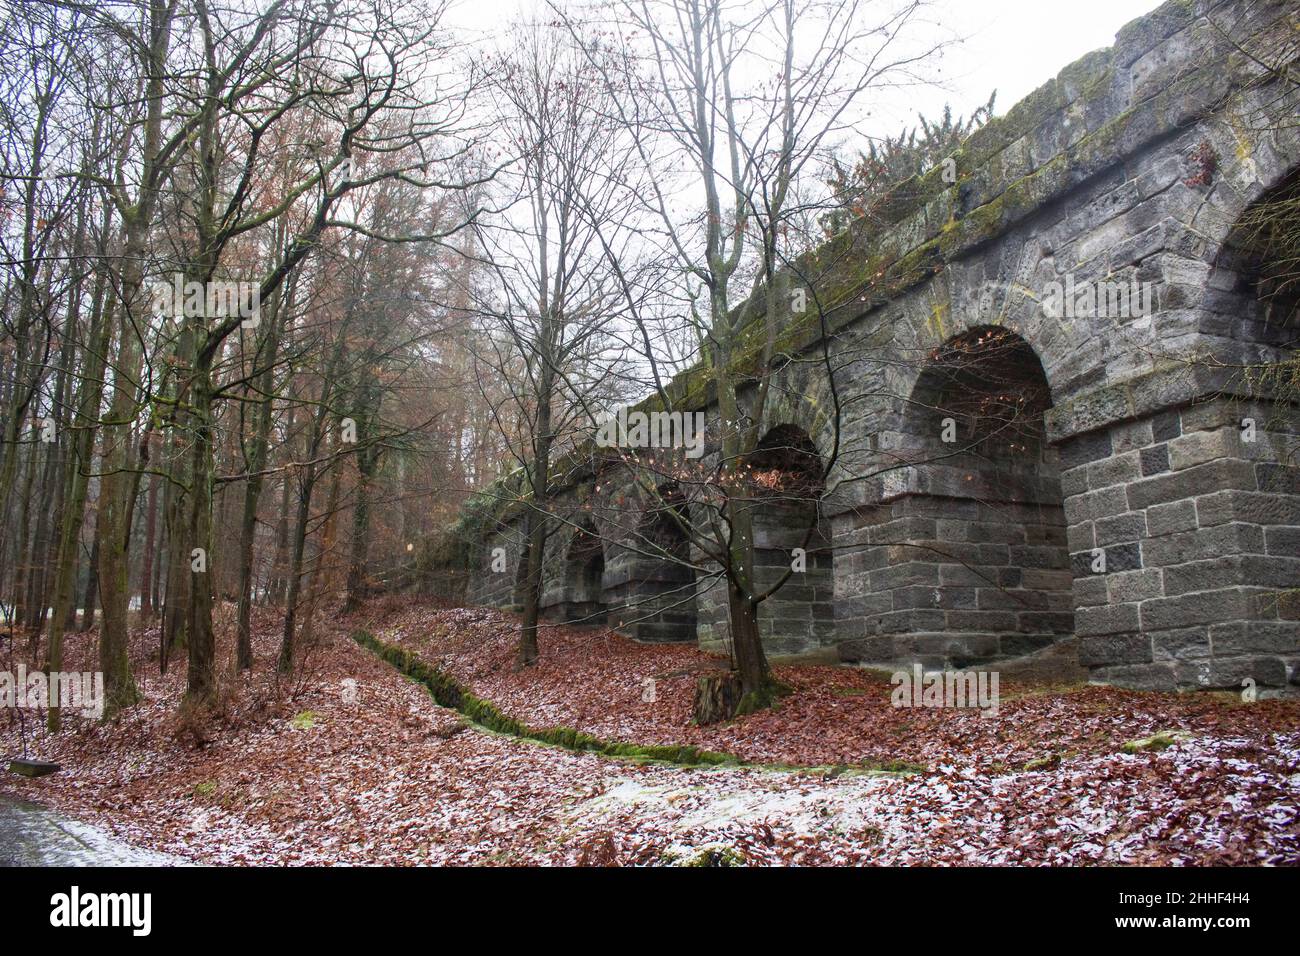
[33,836]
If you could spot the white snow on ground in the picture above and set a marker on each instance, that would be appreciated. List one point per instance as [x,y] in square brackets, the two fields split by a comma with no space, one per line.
[34,836]
[955,816]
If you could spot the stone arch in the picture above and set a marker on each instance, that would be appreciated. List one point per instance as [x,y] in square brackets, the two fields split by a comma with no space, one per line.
[1244,179]
[786,475]
[786,463]
[581,595]
[964,557]
[1199,523]
[1003,288]
[653,595]
[1214,505]
[977,405]
[1254,282]
[801,399]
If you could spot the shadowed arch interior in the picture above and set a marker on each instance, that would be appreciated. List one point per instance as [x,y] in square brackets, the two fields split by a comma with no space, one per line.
[966,553]
[578,593]
[1256,280]
[980,397]
[655,590]
[786,463]
[785,475]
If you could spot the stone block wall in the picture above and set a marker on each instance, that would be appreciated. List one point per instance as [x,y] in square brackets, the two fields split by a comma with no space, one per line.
[950,581]
[1200,529]
[650,599]
[574,576]
[798,618]
[484,585]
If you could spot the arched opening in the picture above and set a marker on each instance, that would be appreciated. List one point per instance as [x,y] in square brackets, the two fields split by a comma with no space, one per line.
[979,402]
[785,464]
[656,596]
[1255,286]
[785,478]
[966,555]
[582,588]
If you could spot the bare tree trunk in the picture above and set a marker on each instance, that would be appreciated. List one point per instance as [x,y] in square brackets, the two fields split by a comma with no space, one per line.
[150,532]
[77,479]
[319,573]
[92,584]
[294,577]
[23,555]
[357,589]
[279,584]
[537,524]
[117,487]
[53,483]
[46,516]
[367,463]
[257,460]
[201,675]
[172,633]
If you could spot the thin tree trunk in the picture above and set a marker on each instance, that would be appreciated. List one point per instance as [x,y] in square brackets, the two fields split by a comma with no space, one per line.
[77,479]
[257,460]
[53,485]
[23,556]
[319,573]
[201,676]
[367,463]
[118,484]
[172,633]
[77,469]
[537,531]
[279,585]
[150,531]
[92,584]
[356,586]
[294,583]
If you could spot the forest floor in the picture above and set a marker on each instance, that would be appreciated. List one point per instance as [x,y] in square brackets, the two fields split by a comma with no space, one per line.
[349,762]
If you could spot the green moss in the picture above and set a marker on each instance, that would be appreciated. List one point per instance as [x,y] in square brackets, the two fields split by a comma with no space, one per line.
[303,720]
[1161,740]
[1043,763]
[716,856]
[867,768]
[1089,76]
[449,692]
[763,698]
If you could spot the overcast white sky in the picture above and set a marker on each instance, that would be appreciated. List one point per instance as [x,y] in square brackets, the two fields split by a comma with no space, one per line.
[1013,46]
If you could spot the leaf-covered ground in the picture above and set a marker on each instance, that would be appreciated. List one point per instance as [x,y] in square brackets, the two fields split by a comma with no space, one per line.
[351,763]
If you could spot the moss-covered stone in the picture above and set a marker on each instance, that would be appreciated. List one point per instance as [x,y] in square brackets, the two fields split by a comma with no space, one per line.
[449,692]
[716,856]
[763,698]
[1161,740]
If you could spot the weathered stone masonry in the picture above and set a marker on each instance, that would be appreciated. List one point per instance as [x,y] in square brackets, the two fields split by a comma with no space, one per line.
[1135,165]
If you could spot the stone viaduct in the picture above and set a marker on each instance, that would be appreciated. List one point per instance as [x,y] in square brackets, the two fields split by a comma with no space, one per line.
[1149,437]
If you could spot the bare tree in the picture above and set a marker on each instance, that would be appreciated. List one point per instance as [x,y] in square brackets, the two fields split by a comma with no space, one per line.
[752,97]
[557,301]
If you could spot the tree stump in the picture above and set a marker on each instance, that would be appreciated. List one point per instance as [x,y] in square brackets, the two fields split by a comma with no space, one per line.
[717,696]
[32,768]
